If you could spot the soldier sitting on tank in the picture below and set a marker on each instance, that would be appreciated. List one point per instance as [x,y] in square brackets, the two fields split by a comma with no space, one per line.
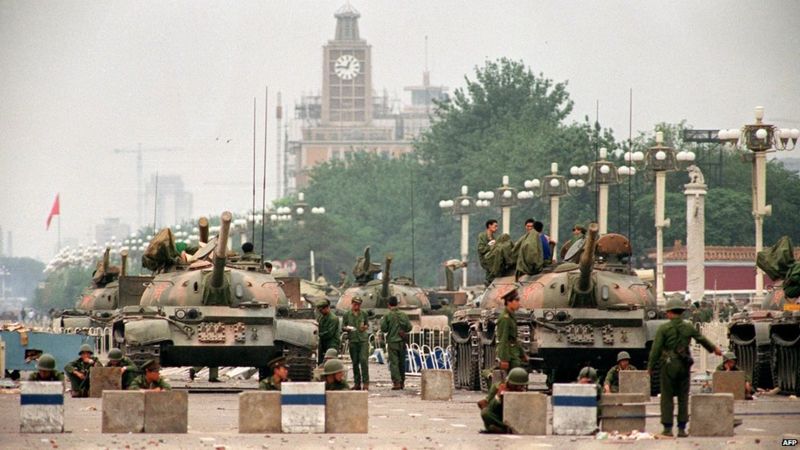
[334,376]
[150,379]
[509,352]
[492,406]
[612,377]
[330,354]
[486,242]
[248,254]
[578,236]
[528,249]
[280,373]
[267,267]
[129,369]
[46,370]
[729,364]
[547,243]
[79,369]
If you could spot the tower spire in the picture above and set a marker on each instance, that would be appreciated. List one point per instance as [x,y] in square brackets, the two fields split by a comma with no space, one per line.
[347,23]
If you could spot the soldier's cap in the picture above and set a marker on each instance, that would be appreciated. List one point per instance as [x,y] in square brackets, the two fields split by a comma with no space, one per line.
[280,361]
[675,305]
[86,348]
[323,303]
[623,355]
[115,354]
[728,356]
[517,376]
[151,365]
[332,367]
[331,353]
[357,299]
[392,301]
[510,295]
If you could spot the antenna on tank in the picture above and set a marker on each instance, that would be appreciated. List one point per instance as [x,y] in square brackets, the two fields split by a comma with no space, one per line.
[264,174]
[253,211]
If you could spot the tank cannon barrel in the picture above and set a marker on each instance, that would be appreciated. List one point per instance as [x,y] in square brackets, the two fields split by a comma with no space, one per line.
[202,225]
[123,270]
[587,259]
[221,251]
[106,259]
[387,276]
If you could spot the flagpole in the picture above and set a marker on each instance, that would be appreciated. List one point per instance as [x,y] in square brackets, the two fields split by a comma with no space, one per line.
[59,232]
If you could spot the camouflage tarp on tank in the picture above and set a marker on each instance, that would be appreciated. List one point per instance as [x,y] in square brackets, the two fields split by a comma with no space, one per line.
[530,258]
[364,268]
[776,261]
[501,260]
[161,253]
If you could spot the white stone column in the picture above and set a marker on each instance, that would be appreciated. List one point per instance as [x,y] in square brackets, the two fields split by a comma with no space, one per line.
[695,192]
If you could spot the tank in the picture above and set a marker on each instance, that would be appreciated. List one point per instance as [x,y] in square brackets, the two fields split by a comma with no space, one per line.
[374,293]
[212,314]
[575,315]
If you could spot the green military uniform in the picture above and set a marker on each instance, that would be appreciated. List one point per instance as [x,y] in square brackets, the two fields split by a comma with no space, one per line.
[80,387]
[141,382]
[359,345]
[269,384]
[721,367]
[131,370]
[483,250]
[54,376]
[328,331]
[337,386]
[612,377]
[492,415]
[671,349]
[395,325]
[508,348]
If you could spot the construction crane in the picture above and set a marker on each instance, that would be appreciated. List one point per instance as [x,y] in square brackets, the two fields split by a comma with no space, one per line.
[139,177]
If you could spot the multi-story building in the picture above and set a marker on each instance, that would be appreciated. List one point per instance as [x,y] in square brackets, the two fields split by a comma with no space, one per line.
[111,229]
[173,204]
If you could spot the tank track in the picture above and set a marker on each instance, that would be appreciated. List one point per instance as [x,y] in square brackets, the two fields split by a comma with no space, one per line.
[465,363]
[301,363]
[487,362]
[786,364]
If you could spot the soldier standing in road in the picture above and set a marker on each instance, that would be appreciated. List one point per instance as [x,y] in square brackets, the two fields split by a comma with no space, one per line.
[612,377]
[280,373]
[78,371]
[509,353]
[129,369]
[492,406]
[396,326]
[671,350]
[150,379]
[486,240]
[356,323]
[328,329]
[46,370]
[729,364]
[334,376]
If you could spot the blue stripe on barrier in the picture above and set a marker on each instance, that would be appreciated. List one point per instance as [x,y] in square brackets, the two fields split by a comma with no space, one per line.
[41,399]
[574,401]
[303,399]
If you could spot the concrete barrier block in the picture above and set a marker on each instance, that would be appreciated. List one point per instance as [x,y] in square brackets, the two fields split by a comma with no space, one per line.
[104,378]
[437,384]
[347,411]
[260,412]
[41,407]
[634,381]
[574,409]
[303,407]
[731,382]
[166,411]
[623,412]
[123,412]
[711,415]
[525,412]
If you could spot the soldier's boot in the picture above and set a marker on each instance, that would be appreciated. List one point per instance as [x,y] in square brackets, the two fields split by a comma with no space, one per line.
[396,386]
[366,386]
[213,374]
[192,373]
[667,431]
[356,387]
[682,433]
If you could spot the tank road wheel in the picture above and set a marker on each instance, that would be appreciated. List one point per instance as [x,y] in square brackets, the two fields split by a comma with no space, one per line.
[301,363]
[487,364]
[465,364]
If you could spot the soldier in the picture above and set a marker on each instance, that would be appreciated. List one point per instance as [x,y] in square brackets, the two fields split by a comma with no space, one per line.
[150,379]
[78,371]
[528,250]
[321,279]
[492,406]
[671,350]
[280,373]
[356,323]
[330,354]
[344,280]
[578,234]
[248,254]
[729,364]
[612,377]
[328,329]
[46,370]
[509,353]
[129,369]
[547,253]
[334,376]
[396,326]
[485,242]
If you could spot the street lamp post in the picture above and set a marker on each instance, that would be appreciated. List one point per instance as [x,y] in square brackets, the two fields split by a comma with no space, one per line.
[553,186]
[760,138]
[602,174]
[462,206]
[506,198]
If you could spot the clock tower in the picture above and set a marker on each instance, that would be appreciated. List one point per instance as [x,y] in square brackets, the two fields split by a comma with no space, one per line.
[346,74]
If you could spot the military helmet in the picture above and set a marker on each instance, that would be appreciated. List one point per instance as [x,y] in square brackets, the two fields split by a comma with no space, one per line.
[728,356]
[588,372]
[623,355]
[46,362]
[675,305]
[86,348]
[357,299]
[517,376]
[331,353]
[333,366]
[323,303]
[151,364]
[115,354]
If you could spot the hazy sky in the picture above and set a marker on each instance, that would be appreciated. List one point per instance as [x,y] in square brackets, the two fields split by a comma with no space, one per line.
[81,78]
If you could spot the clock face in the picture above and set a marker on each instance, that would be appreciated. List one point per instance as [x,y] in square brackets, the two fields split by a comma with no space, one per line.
[347,67]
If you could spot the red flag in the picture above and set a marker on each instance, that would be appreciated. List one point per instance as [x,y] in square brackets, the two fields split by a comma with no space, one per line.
[54,211]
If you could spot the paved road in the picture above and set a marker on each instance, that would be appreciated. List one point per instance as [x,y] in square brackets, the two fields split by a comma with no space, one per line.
[397,420]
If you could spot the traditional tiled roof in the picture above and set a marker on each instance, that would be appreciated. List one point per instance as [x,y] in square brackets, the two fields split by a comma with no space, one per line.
[714,253]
